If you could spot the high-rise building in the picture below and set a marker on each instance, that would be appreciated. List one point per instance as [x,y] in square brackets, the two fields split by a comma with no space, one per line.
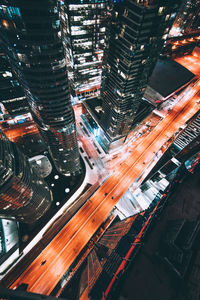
[138,31]
[23,194]
[32,38]
[86,42]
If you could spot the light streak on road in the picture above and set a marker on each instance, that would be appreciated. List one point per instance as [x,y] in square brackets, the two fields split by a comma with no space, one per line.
[68,243]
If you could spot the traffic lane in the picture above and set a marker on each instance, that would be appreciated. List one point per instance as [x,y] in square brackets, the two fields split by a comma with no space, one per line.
[125,189]
[45,286]
[136,170]
[85,232]
[164,122]
[124,167]
[78,222]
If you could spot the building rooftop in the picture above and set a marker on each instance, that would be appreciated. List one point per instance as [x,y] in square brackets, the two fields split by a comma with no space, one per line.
[191,62]
[168,76]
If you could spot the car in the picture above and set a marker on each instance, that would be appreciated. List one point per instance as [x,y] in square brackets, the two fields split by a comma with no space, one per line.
[42,263]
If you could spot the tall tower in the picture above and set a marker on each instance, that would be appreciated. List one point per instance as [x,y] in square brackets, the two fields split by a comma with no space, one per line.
[23,194]
[86,42]
[138,31]
[32,38]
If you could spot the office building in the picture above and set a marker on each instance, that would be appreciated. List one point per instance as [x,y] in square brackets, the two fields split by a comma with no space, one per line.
[86,40]
[32,39]
[138,31]
[23,194]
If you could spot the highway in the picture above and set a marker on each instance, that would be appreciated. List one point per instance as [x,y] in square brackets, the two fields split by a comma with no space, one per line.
[48,268]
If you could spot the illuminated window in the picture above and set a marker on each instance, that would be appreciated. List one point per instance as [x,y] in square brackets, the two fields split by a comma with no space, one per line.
[7,74]
[167,17]
[160,11]
[126,12]
[56,24]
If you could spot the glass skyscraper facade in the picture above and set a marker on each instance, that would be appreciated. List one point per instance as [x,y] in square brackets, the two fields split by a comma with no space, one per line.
[32,39]
[137,33]
[23,194]
[86,42]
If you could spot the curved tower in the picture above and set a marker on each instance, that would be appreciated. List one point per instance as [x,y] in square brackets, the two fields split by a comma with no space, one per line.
[33,40]
[23,194]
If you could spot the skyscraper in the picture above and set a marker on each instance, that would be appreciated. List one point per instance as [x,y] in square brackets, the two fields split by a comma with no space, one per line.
[23,194]
[86,42]
[32,38]
[138,31]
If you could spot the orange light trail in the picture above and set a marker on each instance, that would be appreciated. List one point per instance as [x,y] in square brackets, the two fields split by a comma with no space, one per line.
[69,242]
